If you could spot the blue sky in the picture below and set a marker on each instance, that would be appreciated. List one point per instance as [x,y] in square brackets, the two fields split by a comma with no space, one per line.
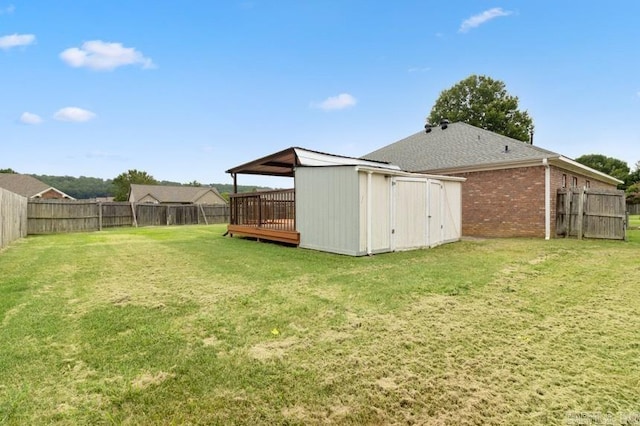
[186,89]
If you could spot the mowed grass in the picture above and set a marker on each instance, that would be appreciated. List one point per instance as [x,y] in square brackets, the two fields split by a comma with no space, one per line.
[179,325]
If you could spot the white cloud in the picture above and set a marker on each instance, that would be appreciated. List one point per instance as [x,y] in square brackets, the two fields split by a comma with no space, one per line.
[102,56]
[7,10]
[481,18]
[15,40]
[30,118]
[342,101]
[73,114]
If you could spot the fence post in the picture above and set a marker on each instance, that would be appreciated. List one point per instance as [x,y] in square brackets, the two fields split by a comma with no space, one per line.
[100,216]
[580,218]
[626,225]
[206,222]
[567,212]
[133,213]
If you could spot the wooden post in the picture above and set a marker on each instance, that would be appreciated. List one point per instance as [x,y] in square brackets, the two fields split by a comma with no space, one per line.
[580,218]
[133,212]
[567,212]
[203,214]
[100,216]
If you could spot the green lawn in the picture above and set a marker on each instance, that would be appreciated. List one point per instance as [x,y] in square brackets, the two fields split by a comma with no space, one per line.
[179,325]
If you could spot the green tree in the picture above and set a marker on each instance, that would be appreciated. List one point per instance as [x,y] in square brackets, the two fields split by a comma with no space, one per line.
[82,187]
[633,193]
[483,102]
[8,171]
[609,165]
[633,185]
[634,176]
[193,183]
[122,183]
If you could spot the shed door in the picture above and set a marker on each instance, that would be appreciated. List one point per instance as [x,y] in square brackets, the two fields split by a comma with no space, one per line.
[410,208]
[436,225]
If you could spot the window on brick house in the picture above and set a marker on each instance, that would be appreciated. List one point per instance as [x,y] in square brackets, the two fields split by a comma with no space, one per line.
[574,182]
[564,181]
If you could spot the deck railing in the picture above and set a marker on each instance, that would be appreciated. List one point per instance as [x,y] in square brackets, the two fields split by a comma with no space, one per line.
[265,209]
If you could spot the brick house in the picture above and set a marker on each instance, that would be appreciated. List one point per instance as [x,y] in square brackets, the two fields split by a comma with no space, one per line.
[511,186]
[30,187]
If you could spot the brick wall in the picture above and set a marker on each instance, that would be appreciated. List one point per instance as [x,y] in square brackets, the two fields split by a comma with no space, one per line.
[503,203]
[510,202]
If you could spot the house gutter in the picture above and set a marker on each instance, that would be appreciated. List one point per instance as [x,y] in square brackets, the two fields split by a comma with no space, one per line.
[547,199]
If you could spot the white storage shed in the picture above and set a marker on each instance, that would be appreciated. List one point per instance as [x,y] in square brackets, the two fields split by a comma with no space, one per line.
[348,205]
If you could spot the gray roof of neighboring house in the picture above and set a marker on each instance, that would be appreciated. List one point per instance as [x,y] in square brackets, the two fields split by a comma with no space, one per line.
[171,194]
[26,185]
[459,145]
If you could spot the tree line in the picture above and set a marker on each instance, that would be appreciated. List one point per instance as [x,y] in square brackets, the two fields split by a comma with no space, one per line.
[84,187]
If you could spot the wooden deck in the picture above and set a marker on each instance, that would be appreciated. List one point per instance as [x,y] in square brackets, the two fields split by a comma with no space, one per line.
[268,215]
[265,233]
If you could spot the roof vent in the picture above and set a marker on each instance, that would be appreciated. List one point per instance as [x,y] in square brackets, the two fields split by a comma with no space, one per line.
[427,127]
[506,149]
[444,123]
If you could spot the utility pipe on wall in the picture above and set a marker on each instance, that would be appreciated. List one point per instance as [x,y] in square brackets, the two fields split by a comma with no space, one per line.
[547,199]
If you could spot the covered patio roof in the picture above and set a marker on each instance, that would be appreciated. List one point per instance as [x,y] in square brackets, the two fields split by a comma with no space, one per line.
[283,163]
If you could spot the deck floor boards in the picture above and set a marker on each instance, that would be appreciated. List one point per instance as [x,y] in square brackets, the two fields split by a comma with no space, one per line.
[265,232]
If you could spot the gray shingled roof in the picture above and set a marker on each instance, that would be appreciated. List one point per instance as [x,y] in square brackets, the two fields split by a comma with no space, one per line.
[24,185]
[171,194]
[460,145]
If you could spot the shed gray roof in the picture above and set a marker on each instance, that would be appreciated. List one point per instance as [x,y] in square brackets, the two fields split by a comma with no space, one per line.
[26,185]
[460,145]
[170,193]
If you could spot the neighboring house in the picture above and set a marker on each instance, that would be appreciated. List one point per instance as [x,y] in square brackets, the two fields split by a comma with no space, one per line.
[166,194]
[346,205]
[511,186]
[30,187]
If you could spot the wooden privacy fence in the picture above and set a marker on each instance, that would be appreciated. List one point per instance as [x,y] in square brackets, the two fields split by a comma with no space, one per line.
[55,216]
[589,213]
[13,217]
[633,208]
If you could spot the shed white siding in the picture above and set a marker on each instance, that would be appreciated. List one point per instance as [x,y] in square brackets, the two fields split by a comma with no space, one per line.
[357,211]
[327,208]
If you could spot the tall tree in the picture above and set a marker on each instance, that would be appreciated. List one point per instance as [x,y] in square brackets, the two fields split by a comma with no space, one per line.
[483,102]
[633,185]
[609,165]
[122,183]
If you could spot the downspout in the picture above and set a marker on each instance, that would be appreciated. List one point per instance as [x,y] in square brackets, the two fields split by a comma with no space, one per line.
[547,199]
[369,212]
